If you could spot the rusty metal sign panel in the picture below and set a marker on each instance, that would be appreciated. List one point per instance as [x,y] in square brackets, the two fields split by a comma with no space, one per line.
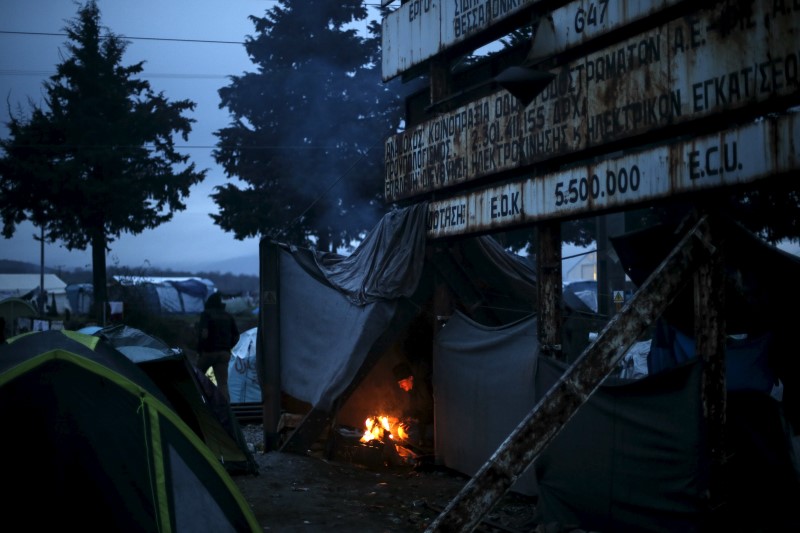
[731,157]
[705,64]
[580,22]
[420,29]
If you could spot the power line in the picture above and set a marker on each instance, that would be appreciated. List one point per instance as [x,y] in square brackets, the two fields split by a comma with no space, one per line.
[137,38]
[170,39]
[39,73]
[196,147]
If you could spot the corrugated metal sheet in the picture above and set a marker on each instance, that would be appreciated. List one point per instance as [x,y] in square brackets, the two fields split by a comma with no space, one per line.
[696,66]
[735,156]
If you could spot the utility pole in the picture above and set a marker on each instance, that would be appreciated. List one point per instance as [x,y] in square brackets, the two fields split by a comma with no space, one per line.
[41,298]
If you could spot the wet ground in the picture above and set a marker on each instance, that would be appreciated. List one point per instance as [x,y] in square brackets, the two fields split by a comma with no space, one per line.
[307,493]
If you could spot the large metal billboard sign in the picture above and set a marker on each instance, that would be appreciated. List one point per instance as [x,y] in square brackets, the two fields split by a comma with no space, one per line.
[732,157]
[420,29]
[696,66]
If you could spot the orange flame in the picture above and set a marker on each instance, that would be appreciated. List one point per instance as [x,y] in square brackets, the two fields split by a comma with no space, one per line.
[383,427]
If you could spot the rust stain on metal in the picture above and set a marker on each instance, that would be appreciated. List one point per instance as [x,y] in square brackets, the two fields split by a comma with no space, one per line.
[730,157]
[684,70]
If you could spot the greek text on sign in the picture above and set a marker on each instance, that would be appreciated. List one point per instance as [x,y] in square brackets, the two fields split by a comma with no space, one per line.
[420,29]
[579,22]
[692,67]
[737,156]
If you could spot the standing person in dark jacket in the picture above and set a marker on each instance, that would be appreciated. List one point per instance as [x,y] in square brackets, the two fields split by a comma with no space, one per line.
[218,334]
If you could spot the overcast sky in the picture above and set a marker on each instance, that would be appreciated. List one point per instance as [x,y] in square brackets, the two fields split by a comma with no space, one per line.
[183,70]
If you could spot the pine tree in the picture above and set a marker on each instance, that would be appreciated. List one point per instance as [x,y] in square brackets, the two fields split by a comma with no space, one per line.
[99,158]
[307,128]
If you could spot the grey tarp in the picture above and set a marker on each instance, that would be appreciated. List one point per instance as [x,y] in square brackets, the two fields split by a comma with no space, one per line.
[388,262]
[633,458]
[635,455]
[630,455]
[331,318]
[483,379]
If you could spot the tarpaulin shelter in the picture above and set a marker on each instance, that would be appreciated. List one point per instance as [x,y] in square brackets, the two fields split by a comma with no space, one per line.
[198,401]
[335,317]
[635,455]
[93,444]
[338,314]
[759,320]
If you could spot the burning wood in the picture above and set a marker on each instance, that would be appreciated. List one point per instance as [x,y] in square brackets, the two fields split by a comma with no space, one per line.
[384,428]
[382,443]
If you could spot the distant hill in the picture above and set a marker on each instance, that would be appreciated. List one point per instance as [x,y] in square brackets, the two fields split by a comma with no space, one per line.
[8,266]
[226,283]
[247,265]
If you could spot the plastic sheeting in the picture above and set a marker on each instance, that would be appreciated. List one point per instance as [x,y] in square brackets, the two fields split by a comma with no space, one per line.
[631,459]
[483,380]
[747,358]
[630,455]
[334,308]
[387,264]
[325,338]
[243,384]
[634,457]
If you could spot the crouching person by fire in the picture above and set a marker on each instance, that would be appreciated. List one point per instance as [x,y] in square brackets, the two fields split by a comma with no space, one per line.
[418,416]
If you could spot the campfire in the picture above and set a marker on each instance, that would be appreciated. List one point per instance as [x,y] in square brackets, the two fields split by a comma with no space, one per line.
[383,428]
[384,442]
[391,433]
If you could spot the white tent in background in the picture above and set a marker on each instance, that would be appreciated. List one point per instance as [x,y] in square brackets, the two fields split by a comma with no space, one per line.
[167,295]
[26,286]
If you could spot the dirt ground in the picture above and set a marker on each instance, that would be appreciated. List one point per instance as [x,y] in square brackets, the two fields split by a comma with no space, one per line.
[306,493]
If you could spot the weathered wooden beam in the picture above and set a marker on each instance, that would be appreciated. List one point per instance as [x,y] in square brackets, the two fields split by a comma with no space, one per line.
[268,341]
[710,334]
[548,285]
[581,379]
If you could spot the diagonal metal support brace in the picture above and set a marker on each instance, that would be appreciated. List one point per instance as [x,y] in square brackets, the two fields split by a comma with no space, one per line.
[581,379]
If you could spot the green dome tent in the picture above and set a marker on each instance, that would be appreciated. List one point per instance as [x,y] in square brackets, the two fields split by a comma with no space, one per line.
[193,396]
[90,442]
[12,309]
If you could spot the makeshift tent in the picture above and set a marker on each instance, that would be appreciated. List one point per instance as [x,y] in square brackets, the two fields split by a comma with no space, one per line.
[92,444]
[333,326]
[243,384]
[757,288]
[634,457]
[364,299]
[198,401]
